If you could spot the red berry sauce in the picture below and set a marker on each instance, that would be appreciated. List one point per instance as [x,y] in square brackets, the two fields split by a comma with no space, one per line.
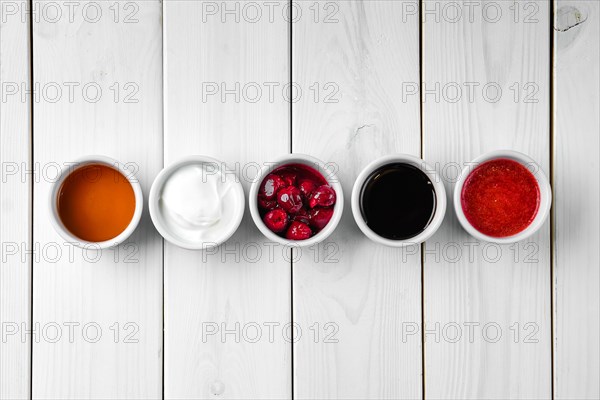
[295,201]
[500,198]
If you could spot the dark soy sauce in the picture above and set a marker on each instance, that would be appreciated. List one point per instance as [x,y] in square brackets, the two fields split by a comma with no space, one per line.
[398,201]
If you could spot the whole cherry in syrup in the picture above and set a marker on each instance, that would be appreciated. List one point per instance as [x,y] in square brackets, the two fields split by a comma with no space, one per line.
[295,201]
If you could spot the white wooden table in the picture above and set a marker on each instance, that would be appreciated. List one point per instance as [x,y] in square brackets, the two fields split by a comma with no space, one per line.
[149,81]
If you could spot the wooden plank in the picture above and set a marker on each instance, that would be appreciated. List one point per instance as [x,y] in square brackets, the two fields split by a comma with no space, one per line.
[576,281]
[15,202]
[110,54]
[353,62]
[499,293]
[221,59]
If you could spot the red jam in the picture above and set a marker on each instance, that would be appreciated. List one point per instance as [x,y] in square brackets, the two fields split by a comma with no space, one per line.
[500,198]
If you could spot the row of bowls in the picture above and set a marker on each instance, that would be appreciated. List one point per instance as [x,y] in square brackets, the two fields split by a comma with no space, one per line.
[330,176]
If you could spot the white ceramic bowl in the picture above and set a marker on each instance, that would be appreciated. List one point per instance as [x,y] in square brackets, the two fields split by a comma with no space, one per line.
[90,160]
[329,175]
[438,186]
[545,195]
[159,219]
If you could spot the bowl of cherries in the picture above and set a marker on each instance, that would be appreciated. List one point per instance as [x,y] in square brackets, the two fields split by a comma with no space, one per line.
[296,200]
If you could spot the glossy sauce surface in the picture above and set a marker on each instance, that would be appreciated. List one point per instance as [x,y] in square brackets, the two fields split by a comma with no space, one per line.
[96,203]
[398,201]
[500,198]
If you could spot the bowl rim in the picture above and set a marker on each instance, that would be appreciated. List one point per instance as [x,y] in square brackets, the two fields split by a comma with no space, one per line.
[328,174]
[538,173]
[161,179]
[434,177]
[80,162]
